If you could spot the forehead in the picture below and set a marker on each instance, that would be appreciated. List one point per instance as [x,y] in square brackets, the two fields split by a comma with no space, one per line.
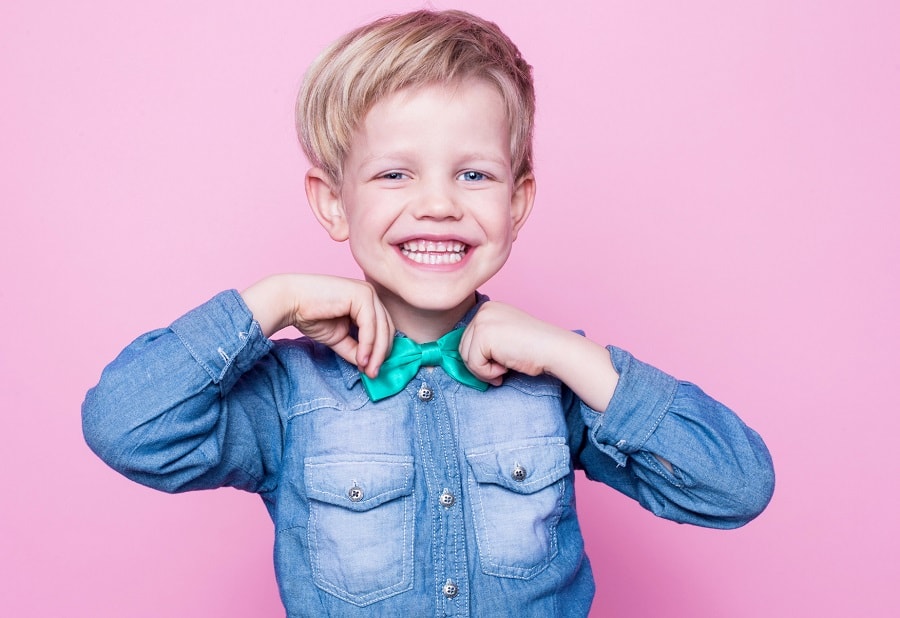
[472,110]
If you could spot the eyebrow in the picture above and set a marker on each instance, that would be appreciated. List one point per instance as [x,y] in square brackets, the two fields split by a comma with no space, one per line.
[402,155]
[378,156]
[477,156]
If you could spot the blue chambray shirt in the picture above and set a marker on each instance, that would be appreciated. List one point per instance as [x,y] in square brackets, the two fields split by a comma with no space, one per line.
[439,501]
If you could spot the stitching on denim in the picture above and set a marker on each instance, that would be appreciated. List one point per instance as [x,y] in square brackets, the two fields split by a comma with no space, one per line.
[197,358]
[454,473]
[313,405]
[361,600]
[525,573]
[408,466]
[484,544]
[664,409]
[217,378]
[519,445]
[425,446]
[481,522]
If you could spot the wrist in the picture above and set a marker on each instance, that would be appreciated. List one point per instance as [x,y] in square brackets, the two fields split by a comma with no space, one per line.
[269,300]
[563,355]
[586,367]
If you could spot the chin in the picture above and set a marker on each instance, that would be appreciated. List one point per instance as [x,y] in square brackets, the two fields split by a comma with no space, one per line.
[438,303]
[438,299]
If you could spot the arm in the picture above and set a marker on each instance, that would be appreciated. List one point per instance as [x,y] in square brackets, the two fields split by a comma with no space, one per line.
[195,405]
[495,342]
[325,308]
[166,412]
[680,453]
[719,473]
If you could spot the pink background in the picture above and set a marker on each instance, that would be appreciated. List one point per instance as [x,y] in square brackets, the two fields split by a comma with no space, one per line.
[718,193]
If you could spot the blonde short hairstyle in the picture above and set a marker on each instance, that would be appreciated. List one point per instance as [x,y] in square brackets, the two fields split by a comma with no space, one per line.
[403,51]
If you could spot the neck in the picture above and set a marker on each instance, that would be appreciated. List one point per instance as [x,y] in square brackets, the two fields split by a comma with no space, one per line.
[423,325]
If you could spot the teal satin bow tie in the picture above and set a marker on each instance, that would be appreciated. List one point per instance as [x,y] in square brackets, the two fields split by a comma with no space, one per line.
[406,358]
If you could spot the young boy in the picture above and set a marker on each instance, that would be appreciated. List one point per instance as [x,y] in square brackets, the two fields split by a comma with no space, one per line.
[404,479]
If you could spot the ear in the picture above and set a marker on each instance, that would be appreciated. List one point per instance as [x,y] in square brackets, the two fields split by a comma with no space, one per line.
[522,201]
[325,200]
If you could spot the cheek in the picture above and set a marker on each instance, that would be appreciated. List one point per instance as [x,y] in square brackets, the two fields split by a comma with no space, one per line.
[498,223]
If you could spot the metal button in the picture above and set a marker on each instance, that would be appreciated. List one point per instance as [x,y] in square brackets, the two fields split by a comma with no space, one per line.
[450,589]
[355,493]
[425,393]
[447,499]
[519,473]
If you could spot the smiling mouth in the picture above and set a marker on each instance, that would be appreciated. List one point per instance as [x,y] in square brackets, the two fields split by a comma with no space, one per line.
[434,252]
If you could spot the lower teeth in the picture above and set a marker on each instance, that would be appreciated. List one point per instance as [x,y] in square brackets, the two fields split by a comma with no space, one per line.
[433,258]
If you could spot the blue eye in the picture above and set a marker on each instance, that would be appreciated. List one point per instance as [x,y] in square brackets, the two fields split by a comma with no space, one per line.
[472,175]
[393,176]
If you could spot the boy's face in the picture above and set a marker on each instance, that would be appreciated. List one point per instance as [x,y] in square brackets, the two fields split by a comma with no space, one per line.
[428,200]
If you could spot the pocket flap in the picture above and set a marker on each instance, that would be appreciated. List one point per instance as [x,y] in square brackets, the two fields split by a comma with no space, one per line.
[522,467]
[358,483]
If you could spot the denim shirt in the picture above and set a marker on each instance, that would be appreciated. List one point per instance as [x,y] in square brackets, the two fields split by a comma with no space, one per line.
[438,501]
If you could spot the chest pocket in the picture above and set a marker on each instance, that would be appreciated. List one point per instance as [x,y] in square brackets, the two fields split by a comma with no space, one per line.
[361,525]
[516,492]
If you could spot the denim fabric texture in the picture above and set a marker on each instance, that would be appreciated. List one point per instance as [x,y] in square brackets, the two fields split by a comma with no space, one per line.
[439,501]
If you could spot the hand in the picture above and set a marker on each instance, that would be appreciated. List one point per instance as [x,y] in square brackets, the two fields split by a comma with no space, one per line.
[501,338]
[324,308]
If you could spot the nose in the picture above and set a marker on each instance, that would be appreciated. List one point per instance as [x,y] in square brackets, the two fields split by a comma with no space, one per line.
[436,200]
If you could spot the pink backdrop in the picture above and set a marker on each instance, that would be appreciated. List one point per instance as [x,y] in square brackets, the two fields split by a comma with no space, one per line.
[718,192]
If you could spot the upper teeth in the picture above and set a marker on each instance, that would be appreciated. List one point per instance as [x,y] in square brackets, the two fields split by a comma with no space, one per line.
[430,252]
[433,247]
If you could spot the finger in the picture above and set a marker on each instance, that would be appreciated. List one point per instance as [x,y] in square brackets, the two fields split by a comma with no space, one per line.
[384,337]
[346,348]
[465,342]
[469,349]
[498,381]
[489,372]
[478,359]
[363,313]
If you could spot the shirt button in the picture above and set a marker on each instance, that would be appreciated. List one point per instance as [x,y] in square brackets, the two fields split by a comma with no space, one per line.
[447,499]
[425,393]
[450,589]
[519,473]
[355,493]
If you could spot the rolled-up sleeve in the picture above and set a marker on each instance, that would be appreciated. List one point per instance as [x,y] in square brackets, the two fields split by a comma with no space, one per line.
[166,412]
[680,453]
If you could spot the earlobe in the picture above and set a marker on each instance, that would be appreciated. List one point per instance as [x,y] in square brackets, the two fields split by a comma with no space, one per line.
[325,200]
[522,201]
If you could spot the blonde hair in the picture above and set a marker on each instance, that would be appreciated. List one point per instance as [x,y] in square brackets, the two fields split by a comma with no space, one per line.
[401,51]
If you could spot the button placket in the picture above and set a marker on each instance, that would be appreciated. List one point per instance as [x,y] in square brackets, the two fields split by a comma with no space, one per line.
[434,421]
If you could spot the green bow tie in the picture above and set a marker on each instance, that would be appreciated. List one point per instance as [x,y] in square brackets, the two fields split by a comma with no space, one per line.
[406,358]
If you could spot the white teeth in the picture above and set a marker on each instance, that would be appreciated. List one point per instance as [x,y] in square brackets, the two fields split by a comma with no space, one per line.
[421,257]
[431,252]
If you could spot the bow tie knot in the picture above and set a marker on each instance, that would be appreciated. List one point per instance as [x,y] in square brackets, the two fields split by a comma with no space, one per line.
[431,354]
[407,357]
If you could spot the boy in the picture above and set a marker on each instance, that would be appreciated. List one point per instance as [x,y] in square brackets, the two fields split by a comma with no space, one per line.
[403,479]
